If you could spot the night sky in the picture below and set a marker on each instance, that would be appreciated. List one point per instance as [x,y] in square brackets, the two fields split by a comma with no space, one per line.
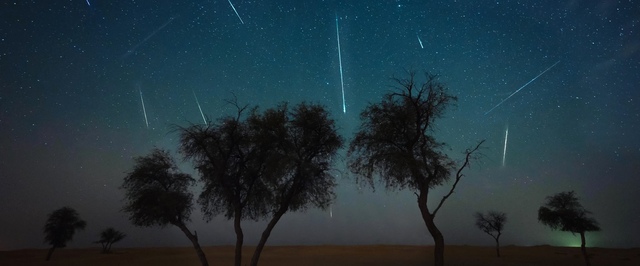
[71,117]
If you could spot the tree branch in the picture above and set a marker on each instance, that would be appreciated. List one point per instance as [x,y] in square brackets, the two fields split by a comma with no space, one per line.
[459,175]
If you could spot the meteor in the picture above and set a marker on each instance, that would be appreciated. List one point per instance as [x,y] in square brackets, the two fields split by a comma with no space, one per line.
[344,106]
[144,110]
[199,108]
[133,49]
[518,90]
[234,10]
[504,150]
[420,41]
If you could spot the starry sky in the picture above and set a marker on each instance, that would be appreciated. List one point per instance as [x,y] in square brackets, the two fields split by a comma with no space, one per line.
[73,74]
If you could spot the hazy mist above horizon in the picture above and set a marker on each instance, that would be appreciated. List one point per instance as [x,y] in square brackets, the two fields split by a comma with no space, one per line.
[563,76]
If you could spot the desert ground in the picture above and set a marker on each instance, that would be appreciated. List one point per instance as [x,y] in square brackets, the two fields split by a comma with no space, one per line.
[327,255]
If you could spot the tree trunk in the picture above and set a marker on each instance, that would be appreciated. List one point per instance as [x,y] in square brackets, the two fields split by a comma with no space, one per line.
[265,235]
[194,241]
[498,247]
[438,238]
[50,253]
[583,248]
[239,237]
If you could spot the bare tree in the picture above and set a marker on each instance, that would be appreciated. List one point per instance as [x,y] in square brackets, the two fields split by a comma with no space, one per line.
[60,227]
[157,193]
[564,212]
[108,237]
[299,175]
[492,223]
[396,142]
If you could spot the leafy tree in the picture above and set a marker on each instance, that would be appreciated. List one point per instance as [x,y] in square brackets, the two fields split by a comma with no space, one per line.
[299,174]
[231,164]
[396,142]
[564,212]
[108,237]
[157,194]
[492,223]
[263,163]
[60,227]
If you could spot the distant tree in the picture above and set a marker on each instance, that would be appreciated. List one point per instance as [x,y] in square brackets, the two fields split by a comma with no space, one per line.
[231,163]
[60,227]
[108,237]
[564,212]
[492,223]
[299,172]
[158,194]
[396,142]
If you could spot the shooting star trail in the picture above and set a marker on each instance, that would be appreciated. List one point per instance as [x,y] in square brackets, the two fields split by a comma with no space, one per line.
[199,108]
[133,49]
[420,41]
[234,10]
[526,84]
[504,150]
[88,2]
[330,211]
[144,110]
[344,106]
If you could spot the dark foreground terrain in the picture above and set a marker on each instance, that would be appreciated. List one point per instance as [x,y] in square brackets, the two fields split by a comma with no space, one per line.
[327,255]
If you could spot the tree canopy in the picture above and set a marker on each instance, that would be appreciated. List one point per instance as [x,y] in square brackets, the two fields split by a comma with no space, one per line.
[108,237]
[60,227]
[230,163]
[396,137]
[564,212]
[306,145]
[261,164]
[157,193]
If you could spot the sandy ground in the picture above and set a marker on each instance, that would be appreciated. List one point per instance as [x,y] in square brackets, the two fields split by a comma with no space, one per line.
[327,255]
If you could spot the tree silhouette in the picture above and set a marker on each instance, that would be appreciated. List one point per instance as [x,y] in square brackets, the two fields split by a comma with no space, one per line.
[298,174]
[263,163]
[108,237]
[157,194]
[492,223]
[60,227]
[396,142]
[564,212]
[231,163]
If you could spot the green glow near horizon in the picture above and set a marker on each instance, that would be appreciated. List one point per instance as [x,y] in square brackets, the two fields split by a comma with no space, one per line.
[566,239]
[569,240]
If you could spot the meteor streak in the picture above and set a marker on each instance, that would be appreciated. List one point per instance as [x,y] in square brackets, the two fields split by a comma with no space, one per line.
[144,110]
[199,108]
[420,41]
[133,49]
[234,10]
[518,90]
[344,106]
[88,2]
[504,150]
